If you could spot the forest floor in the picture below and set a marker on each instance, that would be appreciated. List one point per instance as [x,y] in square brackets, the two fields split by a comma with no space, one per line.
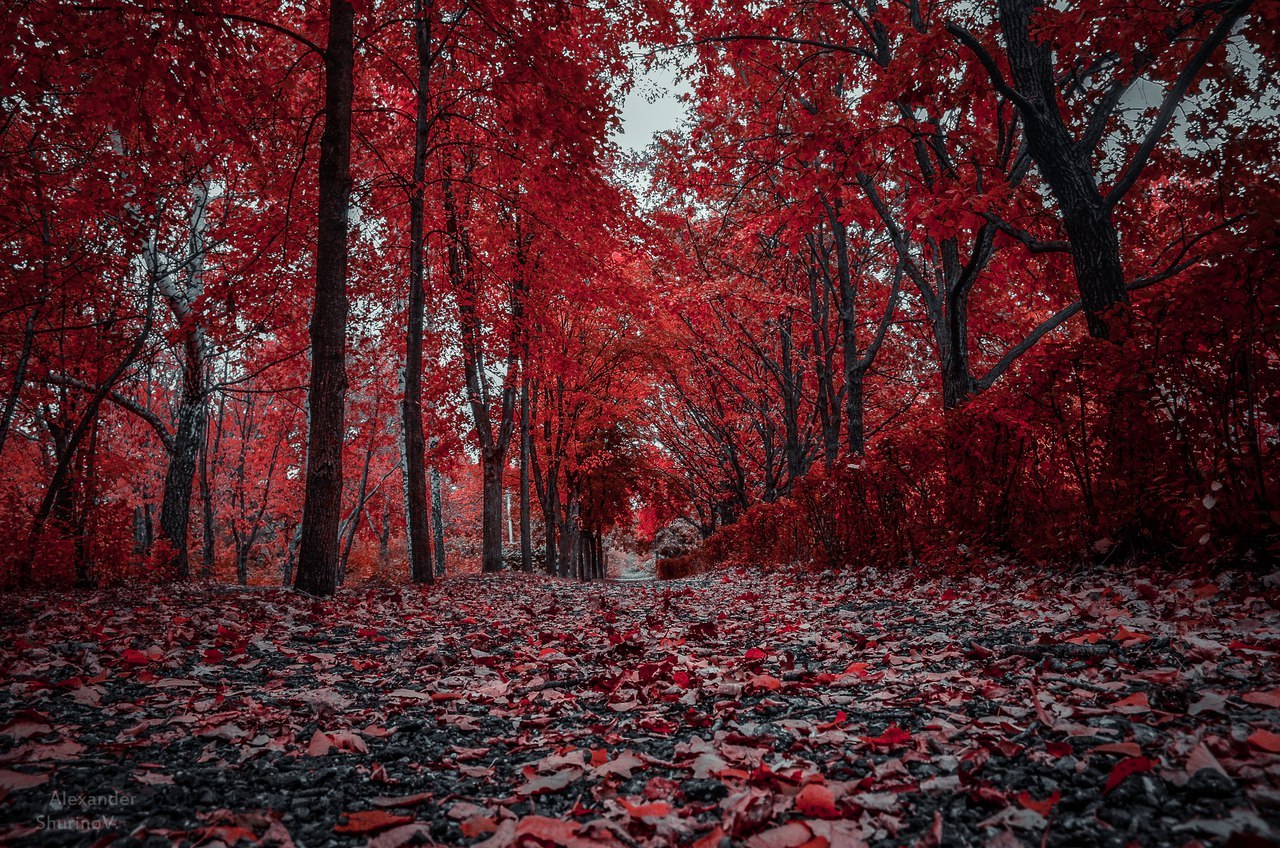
[735,709]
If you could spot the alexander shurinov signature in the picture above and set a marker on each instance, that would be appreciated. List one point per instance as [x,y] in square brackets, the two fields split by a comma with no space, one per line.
[83,812]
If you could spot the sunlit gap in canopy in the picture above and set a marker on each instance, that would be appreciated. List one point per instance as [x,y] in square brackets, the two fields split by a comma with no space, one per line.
[653,105]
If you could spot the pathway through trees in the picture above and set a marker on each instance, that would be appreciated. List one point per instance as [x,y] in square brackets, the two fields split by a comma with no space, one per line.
[503,710]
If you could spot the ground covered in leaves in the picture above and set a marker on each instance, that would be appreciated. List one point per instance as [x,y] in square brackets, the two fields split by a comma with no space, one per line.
[738,709]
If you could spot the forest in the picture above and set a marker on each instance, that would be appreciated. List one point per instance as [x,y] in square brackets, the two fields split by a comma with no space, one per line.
[885,453]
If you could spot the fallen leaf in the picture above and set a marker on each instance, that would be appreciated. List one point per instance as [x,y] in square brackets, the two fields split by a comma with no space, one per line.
[1266,740]
[1126,749]
[370,821]
[657,809]
[18,780]
[1125,769]
[893,737]
[817,801]
[550,782]
[1263,697]
[1042,806]
[1133,705]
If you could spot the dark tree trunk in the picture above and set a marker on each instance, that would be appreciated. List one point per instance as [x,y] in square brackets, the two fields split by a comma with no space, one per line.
[142,530]
[242,562]
[853,407]
[19,375]
[189,426]
[491,534]
[317,571]
[848,311]
[351,527]
[83,534]
[526,525]
[206,501]
[550,507]
[819,310]
[957,379]
[437,517]
[1065,166]
[417,505]
[188,436]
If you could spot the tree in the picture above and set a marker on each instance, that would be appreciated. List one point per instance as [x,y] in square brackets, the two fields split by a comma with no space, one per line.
[319,551]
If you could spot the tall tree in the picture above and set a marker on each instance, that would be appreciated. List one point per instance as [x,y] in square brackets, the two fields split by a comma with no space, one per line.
[317,571]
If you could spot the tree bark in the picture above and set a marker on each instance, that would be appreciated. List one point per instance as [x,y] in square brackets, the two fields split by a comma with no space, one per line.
[317,571]
[1065,166]
[175,507]
[188,433]
[526,528]
[437,516]
[417,506]
[20,373]
[493,462]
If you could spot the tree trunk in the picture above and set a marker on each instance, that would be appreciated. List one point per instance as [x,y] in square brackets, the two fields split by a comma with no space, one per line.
[142,528]
[291,556]
[352,525]
[175,506]
[1065,166]
[550,509]
[317,571]
[437,516]
[491,533]
[853,406]
[20,374]
[207,542]
[526,528]
[84,513]
[188,436]
[417,506]
[242,562]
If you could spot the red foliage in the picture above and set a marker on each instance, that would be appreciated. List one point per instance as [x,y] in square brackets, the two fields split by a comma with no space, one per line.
[1162,445]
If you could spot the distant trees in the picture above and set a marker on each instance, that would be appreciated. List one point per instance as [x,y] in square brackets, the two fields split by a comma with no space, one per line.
[163,221]
[953,183]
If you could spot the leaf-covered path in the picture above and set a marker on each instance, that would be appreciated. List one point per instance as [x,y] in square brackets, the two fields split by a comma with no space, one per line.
[725,710]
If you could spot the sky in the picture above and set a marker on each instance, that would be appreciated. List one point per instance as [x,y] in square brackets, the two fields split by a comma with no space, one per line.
[651,107]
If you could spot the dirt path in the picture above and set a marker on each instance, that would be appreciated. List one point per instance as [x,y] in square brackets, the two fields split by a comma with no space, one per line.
[734,710]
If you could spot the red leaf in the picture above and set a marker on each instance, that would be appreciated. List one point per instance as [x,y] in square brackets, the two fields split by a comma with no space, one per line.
[135,657]
[712,839]
[1125,769]
[1133,704]
[371,821]
[755,655]
[1263,698]
[1266,740]
[477,825]
[320,744]
[15,780]
[1042,807]
[817,801]
[892,737]
[1126,749]
[640,811]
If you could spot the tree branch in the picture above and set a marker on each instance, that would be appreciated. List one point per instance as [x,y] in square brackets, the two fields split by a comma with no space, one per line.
[123,401]
[1173,97]
[988,61]
[1033,244]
